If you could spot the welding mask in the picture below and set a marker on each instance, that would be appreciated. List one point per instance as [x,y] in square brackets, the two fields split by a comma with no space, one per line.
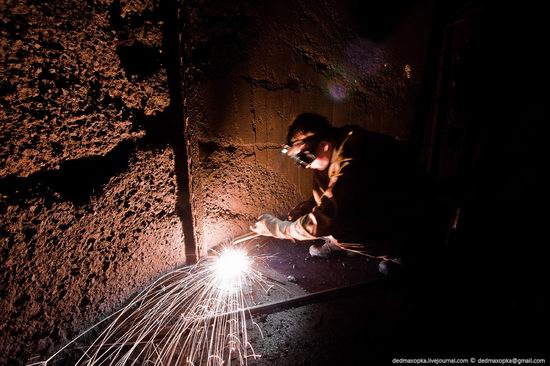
[301,150]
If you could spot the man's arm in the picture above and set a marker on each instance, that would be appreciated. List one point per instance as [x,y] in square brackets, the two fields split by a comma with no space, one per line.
[269,225]
[301,209]
[323,217]
[318,222]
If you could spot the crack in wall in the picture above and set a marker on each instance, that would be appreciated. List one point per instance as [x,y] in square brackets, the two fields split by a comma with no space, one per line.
[254,127]
[317,61]
[293,84]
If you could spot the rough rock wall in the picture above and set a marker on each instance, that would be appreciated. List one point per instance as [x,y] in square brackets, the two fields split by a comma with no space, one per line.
[71,86]
[252,66]
[87,183]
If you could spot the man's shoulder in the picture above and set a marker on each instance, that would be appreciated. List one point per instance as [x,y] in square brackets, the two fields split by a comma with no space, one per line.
[358,136]
[352,128]
[351,133]
[351,141]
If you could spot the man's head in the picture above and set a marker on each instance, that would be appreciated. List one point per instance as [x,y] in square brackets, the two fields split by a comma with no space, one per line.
[308,141]
[308,124]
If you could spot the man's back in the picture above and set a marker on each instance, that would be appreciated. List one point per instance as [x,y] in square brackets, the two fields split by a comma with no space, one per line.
[373,195]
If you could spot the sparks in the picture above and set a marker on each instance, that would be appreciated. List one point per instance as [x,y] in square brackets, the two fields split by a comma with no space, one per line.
[191,316]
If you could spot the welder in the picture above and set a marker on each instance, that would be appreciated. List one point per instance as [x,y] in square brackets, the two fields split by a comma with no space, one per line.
[367,194]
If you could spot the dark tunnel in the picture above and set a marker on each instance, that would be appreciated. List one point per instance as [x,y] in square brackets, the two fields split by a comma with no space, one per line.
[140,137]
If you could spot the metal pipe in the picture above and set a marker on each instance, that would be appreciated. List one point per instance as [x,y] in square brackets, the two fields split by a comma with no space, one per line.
[316,297]
[244,237]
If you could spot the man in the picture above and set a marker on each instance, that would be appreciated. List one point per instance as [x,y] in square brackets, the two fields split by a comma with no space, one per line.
[365,191]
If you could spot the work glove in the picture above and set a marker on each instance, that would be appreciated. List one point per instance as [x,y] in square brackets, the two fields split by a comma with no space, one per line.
[269,225]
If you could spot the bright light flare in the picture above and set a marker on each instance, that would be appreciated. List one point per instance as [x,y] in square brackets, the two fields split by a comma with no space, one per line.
[230,266]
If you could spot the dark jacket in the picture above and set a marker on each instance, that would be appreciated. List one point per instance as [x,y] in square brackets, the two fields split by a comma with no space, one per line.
[368,193]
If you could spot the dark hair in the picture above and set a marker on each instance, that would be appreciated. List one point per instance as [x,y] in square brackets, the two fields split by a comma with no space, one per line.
[309,122]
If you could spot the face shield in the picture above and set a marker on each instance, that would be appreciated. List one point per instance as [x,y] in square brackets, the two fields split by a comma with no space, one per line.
[301,150]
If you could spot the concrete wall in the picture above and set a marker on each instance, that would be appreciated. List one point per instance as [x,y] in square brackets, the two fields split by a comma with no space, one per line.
[253,66]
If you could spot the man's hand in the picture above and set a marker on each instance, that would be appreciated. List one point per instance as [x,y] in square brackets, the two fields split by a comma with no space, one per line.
[269,225]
